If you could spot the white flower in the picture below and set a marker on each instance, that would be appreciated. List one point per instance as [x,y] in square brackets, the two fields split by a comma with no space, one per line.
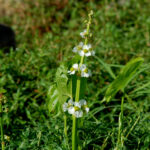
[84,105]
[77,104]
[85,72]
[87,51]
[78,114]
[82,102]
[83,34]
[70,102]
[76,108]
[78,48]
[87,109]
[73,69]
[71,110]
[65,107]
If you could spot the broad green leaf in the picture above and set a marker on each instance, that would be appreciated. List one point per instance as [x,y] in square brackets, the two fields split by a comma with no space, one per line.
[126,75]
[59,91]
[62,81]
[53,98]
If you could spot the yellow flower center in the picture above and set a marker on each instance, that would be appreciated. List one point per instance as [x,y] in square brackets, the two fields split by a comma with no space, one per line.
[76,108]
[86,70]
[85,106]
[69,105]
[72,69]
[85,50]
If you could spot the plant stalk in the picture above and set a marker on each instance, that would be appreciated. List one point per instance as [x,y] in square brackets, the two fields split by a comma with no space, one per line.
[65,131]
[120,130]
[75,135]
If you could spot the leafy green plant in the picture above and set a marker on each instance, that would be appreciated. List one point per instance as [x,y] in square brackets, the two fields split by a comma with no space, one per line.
[128,72]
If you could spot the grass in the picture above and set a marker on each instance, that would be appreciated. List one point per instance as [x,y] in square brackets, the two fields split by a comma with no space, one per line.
[45,36]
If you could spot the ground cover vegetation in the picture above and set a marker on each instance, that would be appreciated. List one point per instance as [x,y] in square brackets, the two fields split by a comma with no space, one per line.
[117,93]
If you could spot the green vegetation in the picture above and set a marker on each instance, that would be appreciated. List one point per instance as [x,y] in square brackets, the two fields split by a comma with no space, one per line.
[118,96]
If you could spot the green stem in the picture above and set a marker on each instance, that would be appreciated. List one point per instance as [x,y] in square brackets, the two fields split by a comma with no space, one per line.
[75,124]
[122,138]
[1,124]
[78,90]
[120,130]
[82,59]
[75,136]
[65,131]
[74,133]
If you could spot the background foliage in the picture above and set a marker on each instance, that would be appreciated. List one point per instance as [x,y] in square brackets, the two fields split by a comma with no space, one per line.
[46,32]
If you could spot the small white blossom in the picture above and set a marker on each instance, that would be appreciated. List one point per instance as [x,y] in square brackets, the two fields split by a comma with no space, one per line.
[73,69]
[87,109]
[87,51]
[70,102]
[78,48]
[84,106]
[77,104]
[78,114]
[71,110]
[85,72]
[65,107]
[83,34]
[76,108]
[82,102]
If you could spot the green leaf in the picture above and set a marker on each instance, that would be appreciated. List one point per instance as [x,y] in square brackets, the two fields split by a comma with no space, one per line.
[62,81]
[53,98]
[59,91]
[126,75]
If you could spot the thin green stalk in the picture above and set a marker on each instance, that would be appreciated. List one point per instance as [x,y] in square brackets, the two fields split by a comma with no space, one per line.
[122,138]
[78,90]
[120,130]
[133,126]
[1,124]
[82,59]
[65,131]
[75,124]
[75,135]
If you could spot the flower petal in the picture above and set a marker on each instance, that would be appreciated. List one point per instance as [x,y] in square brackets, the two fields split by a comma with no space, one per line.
[77,104]
[65,107]
[71,110]
[75,66]
[88,54]
[83,102]
[70,102]
[87,109]
[78,114]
